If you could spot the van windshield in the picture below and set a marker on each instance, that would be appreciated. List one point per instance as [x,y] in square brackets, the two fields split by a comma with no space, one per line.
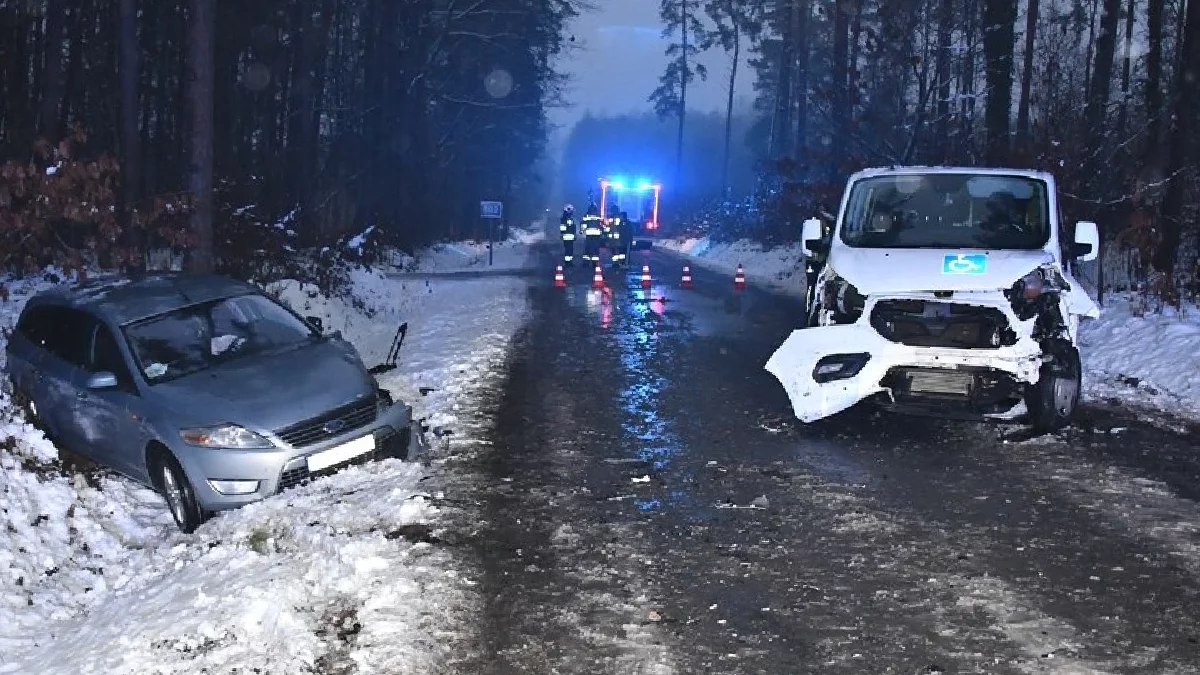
[191,339]
[947,210]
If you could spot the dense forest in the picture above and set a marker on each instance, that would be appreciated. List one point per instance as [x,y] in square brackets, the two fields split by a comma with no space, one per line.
[227,129]
[1100,92]
[128,124]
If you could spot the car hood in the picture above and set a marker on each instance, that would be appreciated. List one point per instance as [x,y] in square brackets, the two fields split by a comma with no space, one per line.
[891,270]
[273,391]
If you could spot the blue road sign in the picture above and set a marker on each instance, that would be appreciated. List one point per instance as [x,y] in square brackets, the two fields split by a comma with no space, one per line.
[491,209]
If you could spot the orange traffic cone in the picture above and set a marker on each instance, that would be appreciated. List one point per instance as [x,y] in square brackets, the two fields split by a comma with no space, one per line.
[686,281]
[560,281]
[598,278]
[646,281]
[739,279]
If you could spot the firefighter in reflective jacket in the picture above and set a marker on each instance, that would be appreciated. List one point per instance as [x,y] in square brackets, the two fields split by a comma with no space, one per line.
[566,228]
[593,233]
[620,236]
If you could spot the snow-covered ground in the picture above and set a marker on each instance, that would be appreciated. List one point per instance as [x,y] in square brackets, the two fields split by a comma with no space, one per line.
[328,577]
[1143,358]
[510,254]
[1147,359]
[780,268]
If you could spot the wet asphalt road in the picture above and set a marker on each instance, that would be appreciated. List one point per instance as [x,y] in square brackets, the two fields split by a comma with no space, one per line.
[649,505]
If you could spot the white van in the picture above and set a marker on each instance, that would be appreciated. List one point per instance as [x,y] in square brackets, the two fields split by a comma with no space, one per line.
[944,292]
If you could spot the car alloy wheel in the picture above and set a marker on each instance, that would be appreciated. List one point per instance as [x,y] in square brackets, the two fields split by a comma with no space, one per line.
[177,491]
[173,493]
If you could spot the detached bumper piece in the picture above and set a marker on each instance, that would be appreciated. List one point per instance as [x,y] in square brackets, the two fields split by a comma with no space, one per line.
[925,323]
[388,443]
[965,393]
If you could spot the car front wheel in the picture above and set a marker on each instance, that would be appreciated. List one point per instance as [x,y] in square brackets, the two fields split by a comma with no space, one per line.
[174,486]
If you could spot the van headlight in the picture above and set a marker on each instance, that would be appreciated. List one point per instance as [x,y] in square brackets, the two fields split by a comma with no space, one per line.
[843,299]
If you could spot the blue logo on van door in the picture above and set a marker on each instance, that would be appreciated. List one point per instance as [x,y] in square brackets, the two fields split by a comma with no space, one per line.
[969,263]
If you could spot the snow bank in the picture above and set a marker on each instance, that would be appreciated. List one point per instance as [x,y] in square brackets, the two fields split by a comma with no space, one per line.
[335,576]
[780,268]
[512,253]
[1149,360]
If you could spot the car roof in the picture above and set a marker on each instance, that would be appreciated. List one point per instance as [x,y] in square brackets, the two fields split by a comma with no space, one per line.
[123,299]
[976,170]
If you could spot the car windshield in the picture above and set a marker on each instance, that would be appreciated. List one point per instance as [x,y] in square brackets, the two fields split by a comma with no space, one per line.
[188,340]
[947,210]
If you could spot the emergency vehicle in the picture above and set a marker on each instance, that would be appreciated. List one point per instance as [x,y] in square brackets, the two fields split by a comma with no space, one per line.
[639,200]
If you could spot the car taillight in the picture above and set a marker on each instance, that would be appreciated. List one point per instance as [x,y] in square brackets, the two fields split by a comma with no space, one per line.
[651,225]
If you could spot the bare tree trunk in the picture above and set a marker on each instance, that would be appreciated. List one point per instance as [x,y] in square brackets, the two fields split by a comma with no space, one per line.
[1154,97]
[1091,46]
[733,69]
[800,76]
[683,82]
[1187,102]
[1095,113]
[781,121]
[967,84]
[50,108]
[840,95]
[1126,66]
[201,30]
[131,135]
[998,19]
[1031,19]
[941,69]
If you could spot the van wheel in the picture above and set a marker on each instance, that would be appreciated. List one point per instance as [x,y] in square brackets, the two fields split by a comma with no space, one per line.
[1053,399]
[173,485]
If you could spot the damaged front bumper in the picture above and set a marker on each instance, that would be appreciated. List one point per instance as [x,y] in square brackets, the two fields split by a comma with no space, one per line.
[904,360]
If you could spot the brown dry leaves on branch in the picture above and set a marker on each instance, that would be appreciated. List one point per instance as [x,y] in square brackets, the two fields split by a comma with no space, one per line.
[60,208]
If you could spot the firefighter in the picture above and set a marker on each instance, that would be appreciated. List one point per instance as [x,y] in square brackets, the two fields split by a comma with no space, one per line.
[593,233]
[567,228]
[620,238]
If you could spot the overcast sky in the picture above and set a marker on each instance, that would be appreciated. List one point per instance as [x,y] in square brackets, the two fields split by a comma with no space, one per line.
[618,60]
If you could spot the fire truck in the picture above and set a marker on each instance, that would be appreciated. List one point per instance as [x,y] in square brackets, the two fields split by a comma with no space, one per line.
[638,199]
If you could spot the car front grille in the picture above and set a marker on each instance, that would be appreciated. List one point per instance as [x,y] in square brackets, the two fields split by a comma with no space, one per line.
[924,323]
[389,443]
[333,423]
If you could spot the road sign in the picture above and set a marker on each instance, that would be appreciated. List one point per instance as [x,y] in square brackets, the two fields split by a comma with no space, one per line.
[493,210]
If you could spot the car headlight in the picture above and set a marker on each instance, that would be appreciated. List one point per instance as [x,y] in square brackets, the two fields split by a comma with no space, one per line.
[224,436]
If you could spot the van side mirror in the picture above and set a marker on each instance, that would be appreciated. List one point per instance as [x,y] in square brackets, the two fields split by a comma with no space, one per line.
[1086,246]
[811,240]
[315,322]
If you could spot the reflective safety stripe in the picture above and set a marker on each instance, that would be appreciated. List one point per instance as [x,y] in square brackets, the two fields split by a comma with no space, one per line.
[568,258]
[592,231]
[567,236]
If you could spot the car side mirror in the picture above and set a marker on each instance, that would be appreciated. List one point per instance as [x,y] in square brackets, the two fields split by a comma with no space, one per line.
[315,322]
[102,380]
[811,240]
[1086,246]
